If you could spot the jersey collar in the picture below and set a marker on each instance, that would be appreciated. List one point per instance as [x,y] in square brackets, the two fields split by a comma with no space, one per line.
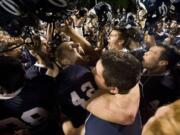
[11,95]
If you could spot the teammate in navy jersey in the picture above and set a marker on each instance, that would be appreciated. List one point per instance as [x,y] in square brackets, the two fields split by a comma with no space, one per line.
[75,85]
[26,104]
[116,75]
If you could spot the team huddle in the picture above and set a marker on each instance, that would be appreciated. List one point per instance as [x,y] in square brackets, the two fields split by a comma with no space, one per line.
[99,71]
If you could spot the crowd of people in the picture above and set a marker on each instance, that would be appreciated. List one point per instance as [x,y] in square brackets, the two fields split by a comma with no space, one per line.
[97,72]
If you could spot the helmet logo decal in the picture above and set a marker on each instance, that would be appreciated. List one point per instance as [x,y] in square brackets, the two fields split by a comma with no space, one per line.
[10,6]
[163,9]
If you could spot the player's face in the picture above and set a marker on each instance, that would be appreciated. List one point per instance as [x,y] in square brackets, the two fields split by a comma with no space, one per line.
[114,41]
[77,52]
[98,76]
[72,52]
[152,57]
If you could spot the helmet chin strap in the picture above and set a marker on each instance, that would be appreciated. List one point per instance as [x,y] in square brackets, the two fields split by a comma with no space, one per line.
[6,96]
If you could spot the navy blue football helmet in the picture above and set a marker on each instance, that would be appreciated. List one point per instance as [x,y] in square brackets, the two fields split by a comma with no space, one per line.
[51,10]
[103,11]
[152,10]
[15,14]
[13,17]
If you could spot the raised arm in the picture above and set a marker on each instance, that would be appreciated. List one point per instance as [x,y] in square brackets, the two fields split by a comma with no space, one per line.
[77,38]
[87,47]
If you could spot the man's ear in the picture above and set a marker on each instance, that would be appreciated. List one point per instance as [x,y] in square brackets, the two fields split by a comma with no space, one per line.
[114,90]
[65,61]
[163,63]
[121,42]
